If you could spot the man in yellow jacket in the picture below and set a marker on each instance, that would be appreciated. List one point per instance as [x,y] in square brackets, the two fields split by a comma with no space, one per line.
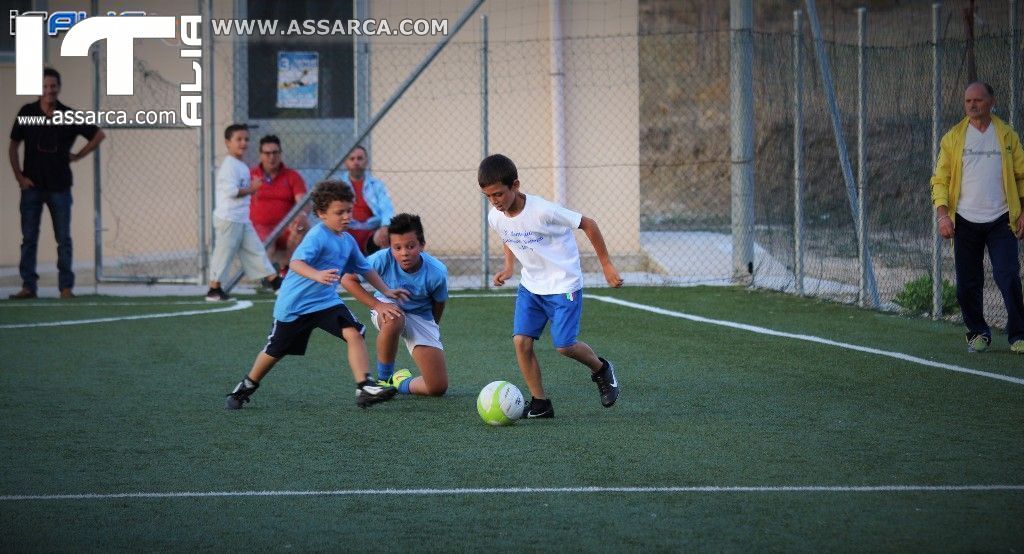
[977,191]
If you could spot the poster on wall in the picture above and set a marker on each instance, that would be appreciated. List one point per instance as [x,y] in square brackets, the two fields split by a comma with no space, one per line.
[298,75]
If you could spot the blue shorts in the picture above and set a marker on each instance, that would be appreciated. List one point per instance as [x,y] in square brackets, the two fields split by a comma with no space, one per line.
[564,311]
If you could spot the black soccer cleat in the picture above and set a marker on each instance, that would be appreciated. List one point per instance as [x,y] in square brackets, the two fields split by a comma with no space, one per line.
[241,394]
[217,295]
[607,383]
[372,391]
[538,409]
[271,285]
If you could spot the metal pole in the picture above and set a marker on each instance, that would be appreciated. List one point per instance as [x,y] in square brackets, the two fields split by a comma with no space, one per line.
[741,78]
[205,161]
[97,174]
[862,173]
[798,155]
[837,130]
[936,137]
[484,149]
[413,76]
[1015,54]
[557,70]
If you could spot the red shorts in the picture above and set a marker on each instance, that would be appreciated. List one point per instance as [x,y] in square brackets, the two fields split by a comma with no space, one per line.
[263,231]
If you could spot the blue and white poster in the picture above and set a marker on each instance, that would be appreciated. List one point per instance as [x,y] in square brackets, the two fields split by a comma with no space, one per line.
[298,76]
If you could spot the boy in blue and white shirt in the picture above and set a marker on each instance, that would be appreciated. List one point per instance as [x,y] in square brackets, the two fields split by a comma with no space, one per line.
[406,266]
[309,299]
[540,235]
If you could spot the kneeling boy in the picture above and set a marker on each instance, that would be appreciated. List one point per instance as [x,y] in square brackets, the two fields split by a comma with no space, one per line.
[406,266]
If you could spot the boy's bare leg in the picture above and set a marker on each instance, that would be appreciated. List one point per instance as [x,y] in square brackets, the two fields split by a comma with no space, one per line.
[528,365]
[358,357]
[261,366]
[387,339]
[582,353]
[433,379]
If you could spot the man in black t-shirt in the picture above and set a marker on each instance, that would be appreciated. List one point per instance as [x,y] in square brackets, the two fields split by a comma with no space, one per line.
[45,179]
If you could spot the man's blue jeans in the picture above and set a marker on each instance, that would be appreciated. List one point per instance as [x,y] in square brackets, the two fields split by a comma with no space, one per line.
[969,243]
[59,203]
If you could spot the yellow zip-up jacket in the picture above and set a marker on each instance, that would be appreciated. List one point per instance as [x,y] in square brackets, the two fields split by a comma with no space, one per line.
[949,168]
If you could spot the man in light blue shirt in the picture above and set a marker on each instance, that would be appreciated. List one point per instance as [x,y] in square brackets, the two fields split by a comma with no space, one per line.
[372,209]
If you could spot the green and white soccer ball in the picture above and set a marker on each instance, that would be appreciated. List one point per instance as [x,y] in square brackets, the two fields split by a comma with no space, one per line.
[500,403]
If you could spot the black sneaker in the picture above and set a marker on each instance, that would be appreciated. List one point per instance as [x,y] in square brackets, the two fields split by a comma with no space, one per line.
[241,394]
[372,391]
[217,295]
[607,384]
[537,408]
[271,286]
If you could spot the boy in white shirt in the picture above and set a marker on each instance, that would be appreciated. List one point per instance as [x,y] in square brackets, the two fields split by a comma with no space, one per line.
[235,235]
[540,235]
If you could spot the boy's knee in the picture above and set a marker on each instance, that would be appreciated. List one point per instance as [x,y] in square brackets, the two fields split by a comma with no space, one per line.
[523,343]
[566,351]
[351,334]
[392,324]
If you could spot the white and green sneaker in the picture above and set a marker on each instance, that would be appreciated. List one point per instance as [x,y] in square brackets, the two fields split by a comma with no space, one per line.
[978,343]
[1017,347]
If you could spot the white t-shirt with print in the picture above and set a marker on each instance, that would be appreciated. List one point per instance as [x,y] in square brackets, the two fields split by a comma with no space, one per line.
[541,237]
[982,198]
[232,175]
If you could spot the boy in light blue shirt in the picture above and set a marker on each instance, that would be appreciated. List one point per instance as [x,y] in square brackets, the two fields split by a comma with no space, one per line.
[309,299]
[404,265]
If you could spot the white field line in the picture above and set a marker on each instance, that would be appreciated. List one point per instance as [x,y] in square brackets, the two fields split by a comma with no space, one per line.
[525,490]
[8,305]
[235,306]
[239,305]
[809,338]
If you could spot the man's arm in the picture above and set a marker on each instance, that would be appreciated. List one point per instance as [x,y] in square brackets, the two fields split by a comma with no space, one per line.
[940,191]
[12,153]
[93,143]
[1018,176]
[593,232]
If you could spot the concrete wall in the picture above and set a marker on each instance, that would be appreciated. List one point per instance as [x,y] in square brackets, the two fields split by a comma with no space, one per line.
[426,149]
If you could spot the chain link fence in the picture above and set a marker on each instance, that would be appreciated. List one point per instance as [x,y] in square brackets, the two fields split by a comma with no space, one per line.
[148,182]
[897,61]
[639,91]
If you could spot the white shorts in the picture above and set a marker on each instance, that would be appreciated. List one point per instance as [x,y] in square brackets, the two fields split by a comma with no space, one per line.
[417,331]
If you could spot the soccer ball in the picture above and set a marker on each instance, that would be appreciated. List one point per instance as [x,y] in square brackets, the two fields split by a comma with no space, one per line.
[500,403]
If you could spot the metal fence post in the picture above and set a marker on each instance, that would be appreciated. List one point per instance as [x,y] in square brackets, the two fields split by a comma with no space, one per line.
[205,151]
[1014,66]
[862,172]
[484,149]
[742,137]
[798,155]
[936,123]
[837,130]
[97,173]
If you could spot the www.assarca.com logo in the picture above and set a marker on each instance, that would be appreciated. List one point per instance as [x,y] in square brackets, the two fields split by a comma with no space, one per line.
[120,34]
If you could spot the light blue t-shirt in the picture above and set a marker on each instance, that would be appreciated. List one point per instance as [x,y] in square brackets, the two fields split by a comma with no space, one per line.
[426,285]
[321,248]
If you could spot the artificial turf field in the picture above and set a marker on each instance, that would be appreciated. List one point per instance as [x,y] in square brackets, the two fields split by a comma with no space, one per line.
[114,435]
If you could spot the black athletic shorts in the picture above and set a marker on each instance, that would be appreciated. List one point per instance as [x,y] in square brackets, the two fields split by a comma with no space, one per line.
[291,337]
